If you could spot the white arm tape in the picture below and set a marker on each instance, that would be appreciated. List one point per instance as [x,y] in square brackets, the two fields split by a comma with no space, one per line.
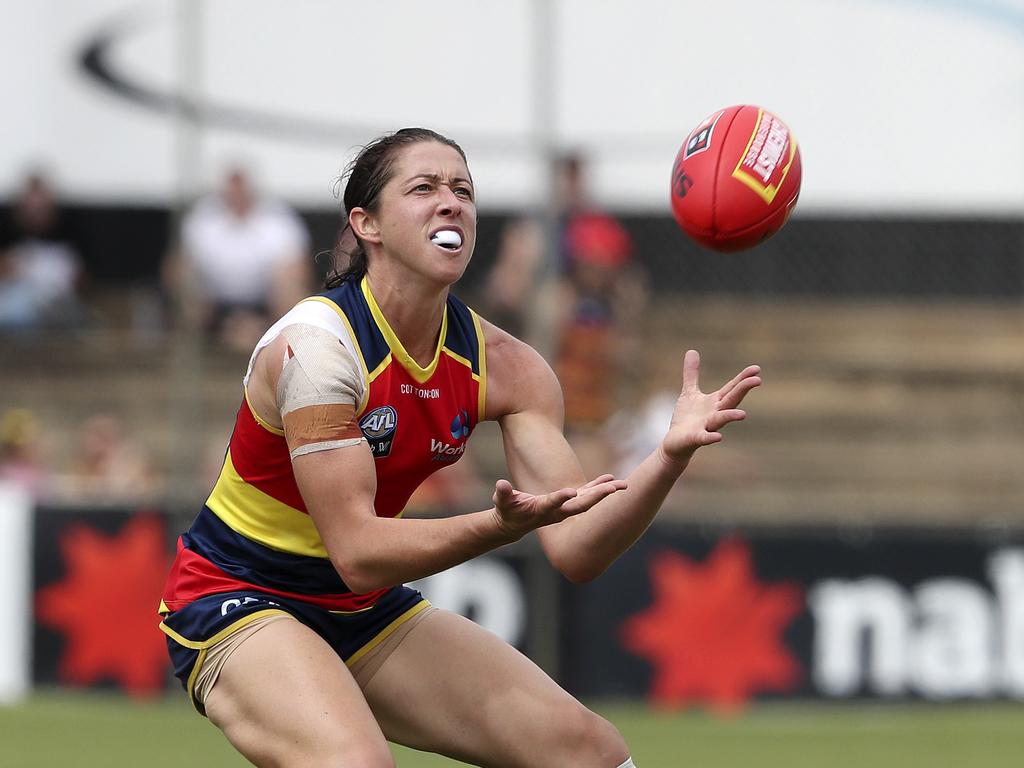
[327,445]
[317,370]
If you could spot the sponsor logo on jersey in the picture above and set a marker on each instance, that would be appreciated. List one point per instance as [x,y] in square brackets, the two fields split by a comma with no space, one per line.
[444,451]
[378,427]
[769,154]
[460,428]
[427,394]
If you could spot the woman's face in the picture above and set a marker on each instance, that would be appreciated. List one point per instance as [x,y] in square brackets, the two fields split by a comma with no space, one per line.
[426,217]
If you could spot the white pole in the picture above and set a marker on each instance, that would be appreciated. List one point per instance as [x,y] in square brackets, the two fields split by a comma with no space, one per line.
[541,327]
[187,355]
[15,578]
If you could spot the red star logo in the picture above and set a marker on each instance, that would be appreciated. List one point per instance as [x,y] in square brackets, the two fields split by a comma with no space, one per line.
[714,634]
[105,606]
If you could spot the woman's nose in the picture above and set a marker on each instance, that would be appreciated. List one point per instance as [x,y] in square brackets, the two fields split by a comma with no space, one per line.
[448,202]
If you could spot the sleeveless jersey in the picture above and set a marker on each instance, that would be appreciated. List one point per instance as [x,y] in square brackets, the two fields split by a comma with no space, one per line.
[254,531]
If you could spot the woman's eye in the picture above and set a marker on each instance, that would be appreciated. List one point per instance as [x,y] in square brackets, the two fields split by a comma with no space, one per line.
[464,192]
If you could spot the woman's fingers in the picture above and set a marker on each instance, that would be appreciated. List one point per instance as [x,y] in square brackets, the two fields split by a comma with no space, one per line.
[750,370]
[592,495]
[719,419]
[597,481]
[732,397]
[503,492]
[691,371]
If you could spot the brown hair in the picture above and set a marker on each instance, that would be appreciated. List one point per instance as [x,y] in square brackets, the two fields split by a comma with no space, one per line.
[366,176]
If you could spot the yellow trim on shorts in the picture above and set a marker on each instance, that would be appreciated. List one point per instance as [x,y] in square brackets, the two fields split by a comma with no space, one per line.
[190,686]
[199,645]
[383,634]
[258,516]
[421,375]
[353,613]
[203,647]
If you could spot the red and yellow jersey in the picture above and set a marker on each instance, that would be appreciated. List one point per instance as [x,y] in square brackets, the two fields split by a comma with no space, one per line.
[254,531]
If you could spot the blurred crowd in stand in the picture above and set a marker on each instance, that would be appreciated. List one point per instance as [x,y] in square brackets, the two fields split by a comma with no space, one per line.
[40,267]
[566,280]
[240,259]
[104,465]
[243,260]
[570,283]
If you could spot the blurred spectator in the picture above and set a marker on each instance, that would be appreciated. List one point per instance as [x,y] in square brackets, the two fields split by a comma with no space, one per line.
[511,283]
[244,261]
[22,463]
[40,268]
[107,467]
[521,290]
[583,312]
[602,297]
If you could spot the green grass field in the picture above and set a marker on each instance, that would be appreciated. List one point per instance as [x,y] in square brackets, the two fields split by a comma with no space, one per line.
[64,729]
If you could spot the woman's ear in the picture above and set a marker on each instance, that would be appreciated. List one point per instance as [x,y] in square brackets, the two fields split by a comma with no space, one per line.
[364,225]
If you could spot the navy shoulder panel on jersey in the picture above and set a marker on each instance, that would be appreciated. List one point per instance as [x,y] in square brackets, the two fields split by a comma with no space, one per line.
[462,337]
[349,298]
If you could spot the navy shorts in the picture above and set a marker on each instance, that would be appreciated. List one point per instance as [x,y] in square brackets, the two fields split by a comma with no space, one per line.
[204,622]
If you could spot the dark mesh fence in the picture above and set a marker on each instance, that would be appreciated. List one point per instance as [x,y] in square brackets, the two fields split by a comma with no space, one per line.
[893,351]
[853,257]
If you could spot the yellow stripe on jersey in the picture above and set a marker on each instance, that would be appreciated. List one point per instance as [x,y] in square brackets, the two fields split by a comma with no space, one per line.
[482,361]
[379,370]
[254,514]
[421,375]
[259,420]
[459,358]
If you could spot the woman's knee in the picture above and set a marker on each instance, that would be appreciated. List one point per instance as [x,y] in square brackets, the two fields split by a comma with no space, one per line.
[364,756]
[323,755]
[587,739]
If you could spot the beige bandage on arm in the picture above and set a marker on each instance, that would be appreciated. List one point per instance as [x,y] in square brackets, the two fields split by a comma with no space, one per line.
[320,386]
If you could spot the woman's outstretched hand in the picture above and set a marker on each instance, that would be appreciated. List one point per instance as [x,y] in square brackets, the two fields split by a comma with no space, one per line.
[518,512]
[698,418]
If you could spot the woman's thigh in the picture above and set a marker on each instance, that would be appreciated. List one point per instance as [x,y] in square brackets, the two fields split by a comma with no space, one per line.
[284,697]
[454,688]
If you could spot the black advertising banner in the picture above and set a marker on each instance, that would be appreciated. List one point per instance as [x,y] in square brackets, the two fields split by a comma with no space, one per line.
[688,616]
[97,579]
[98,575]
[691,616]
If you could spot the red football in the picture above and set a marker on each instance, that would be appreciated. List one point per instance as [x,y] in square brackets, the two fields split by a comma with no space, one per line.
[736,178]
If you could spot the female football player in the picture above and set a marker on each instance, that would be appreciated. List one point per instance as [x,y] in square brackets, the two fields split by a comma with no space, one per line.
[285,610]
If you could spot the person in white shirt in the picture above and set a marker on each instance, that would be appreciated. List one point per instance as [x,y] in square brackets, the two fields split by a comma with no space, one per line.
[246,260]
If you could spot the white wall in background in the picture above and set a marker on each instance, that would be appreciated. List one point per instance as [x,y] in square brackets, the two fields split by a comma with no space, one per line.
[898,105]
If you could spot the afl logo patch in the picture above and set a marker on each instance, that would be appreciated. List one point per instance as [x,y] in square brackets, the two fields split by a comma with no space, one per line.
[378,427]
